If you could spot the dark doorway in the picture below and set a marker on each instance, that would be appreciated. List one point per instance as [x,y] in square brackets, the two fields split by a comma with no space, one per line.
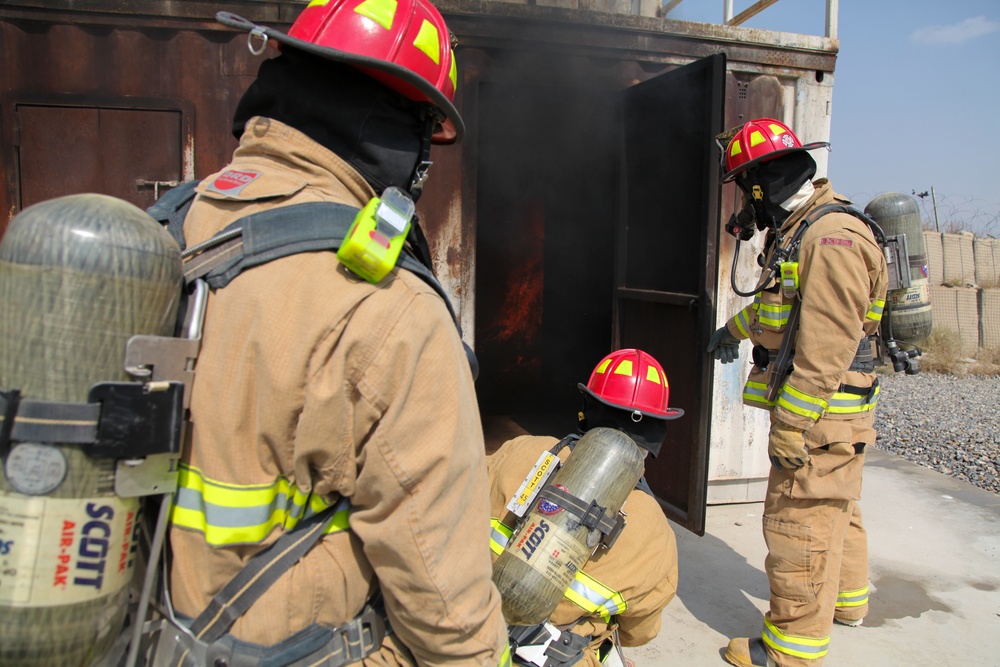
[546,214]
[597,215]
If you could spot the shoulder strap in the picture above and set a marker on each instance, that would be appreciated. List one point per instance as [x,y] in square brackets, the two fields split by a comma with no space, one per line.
[171,209]
[261,237]
[820,211]
[260,572]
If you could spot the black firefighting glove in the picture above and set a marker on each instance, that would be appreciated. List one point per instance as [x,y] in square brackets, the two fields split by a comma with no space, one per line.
[786,446]
[724,346]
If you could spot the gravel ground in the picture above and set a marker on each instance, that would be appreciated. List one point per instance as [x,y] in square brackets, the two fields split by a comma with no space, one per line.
[948,423]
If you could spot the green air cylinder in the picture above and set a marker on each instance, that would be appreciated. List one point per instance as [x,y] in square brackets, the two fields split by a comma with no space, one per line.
[549,546]
[79,276]
[909,309]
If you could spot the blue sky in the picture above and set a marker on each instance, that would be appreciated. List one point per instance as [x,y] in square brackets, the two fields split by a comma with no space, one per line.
[916,99]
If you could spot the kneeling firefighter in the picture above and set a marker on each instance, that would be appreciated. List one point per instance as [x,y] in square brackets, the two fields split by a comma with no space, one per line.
[331,501]
[577,582]
[88,425]
[813,324]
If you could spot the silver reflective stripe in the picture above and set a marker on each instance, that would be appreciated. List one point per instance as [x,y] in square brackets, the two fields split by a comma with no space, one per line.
[853,598]
[235,517]
[599,601]
[807,648]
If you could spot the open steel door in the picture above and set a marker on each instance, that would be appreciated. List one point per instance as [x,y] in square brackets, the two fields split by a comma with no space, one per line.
[664,299]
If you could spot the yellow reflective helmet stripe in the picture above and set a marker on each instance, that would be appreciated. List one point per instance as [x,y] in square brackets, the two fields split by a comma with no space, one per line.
[807,648]
[603,367]
[230,514]
[801,403]
[776,130]
[624,368]
[453,72]
[875,312]
[653,375]
[735,148]
[855,598]
[756,138]
[381,11]
[317,3]
[429,41]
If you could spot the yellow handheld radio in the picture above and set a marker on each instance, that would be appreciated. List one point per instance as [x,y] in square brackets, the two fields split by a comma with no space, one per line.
[376,236]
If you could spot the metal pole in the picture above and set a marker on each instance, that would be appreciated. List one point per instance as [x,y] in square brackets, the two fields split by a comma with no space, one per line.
[934,202]
[831,18]
[727,11]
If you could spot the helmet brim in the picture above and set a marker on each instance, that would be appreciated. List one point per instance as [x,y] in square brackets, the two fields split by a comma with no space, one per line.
[728,176]
[671,413]
[434,96]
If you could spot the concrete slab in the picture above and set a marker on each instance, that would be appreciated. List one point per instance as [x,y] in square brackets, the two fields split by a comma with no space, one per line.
[934,544]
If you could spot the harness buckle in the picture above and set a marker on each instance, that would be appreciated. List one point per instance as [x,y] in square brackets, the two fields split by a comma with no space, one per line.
[362,634]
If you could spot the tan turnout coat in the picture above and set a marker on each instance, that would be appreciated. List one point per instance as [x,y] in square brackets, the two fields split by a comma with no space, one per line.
[345,389]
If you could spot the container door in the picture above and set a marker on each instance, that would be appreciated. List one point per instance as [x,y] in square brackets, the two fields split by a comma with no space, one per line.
[664,300]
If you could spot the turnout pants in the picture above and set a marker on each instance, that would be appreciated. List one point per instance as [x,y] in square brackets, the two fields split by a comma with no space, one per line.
[817,546]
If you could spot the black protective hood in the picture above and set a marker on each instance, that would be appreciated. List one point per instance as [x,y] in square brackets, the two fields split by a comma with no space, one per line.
[380,133]
[770,183]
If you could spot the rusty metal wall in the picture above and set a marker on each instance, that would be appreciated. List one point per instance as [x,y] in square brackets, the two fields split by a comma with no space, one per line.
[145,56]
[90,55]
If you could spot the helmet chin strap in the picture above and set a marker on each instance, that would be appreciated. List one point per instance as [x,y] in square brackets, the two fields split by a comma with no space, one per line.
[423,165]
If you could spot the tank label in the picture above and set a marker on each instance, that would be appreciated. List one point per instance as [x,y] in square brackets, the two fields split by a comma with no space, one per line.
[544,467]
[917,294]
[550,550]
[61,551]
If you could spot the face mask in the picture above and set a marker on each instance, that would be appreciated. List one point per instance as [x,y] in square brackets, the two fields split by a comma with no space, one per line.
[770,184]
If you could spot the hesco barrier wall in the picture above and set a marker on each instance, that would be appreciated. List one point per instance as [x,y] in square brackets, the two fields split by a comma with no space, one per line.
[964,276]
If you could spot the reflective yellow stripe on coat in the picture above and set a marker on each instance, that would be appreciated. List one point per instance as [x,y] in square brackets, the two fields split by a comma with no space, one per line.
[875,312]
[231,514]
[584,591]
[772,315]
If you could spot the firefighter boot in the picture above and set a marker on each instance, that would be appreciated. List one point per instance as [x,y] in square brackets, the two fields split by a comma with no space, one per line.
[744,652]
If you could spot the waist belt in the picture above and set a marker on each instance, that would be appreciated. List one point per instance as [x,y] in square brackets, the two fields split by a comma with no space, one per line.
[315,646]
[206,640]
[863,362]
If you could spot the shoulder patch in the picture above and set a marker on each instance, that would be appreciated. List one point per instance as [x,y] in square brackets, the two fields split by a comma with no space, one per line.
[827,240]
[231,182]
[251,184]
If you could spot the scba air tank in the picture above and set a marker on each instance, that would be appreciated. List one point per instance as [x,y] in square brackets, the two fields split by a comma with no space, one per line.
[543,555]
[909,309]
[79,276]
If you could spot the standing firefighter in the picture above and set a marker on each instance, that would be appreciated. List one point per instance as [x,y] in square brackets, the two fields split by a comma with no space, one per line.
[565,605]
[332,402]
[817,308]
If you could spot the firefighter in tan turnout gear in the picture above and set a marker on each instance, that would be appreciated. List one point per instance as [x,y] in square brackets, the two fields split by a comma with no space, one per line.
[324,400]
[616,599]
[816,308]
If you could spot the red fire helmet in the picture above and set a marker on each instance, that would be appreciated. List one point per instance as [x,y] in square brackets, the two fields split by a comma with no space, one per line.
[761,140]
[404,44]
[632,380]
